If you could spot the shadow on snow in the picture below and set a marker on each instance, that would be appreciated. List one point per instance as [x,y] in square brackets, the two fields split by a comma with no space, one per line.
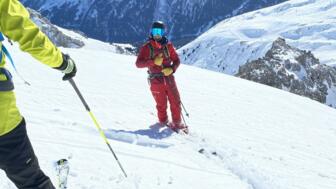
[145,137]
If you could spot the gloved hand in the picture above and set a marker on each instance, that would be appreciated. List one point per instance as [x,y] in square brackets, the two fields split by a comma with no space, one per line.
[167,71]
[68,67]
[158,60]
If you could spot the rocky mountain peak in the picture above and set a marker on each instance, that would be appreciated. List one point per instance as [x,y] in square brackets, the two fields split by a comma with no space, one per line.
[55,34]
[294,70]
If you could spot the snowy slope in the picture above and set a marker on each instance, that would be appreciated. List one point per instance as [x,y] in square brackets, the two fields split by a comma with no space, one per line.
[305,24]
[243,135]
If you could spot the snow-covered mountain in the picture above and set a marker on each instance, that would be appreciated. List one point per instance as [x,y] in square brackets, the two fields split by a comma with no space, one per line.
[243,135]
[305,24]
[74,39]
[293,70]
[128,21]
[58,37]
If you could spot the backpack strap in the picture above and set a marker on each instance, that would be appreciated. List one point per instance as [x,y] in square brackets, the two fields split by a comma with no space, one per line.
[1,40]
[151,51]
[166,51]
[1,37]
[4,50]
[6,85]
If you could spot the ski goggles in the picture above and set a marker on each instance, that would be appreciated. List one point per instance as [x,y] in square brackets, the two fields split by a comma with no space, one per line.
[157,31]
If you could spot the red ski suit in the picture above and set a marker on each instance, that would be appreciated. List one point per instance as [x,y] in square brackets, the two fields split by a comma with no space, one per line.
[163,88]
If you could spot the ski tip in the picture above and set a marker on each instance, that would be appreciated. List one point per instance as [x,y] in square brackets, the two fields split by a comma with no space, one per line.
[61,161]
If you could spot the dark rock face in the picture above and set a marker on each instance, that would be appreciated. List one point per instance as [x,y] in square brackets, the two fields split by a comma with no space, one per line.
[293,70]
[128,21]
[55,35]
[61,39]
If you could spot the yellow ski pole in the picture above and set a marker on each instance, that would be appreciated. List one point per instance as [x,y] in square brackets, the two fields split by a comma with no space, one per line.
[73,84]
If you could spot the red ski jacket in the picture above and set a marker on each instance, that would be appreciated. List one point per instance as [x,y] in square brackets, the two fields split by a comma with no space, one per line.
[152,49]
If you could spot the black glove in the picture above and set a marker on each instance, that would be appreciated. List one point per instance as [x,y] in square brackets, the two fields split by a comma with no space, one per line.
[68,67]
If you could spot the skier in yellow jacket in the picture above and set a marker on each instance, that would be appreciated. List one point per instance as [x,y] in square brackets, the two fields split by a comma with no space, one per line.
[17,157]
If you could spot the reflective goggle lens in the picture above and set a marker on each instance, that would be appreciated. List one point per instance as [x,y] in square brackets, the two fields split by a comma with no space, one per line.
[157,31]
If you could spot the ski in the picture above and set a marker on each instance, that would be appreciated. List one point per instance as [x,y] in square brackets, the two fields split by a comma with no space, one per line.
[183,131]
[62,172]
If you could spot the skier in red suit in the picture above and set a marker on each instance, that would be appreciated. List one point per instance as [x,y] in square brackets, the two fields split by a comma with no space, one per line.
[162,61]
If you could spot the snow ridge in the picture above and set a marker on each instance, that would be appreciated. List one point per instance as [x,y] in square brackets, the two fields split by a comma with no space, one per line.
[305,24]
[128,21]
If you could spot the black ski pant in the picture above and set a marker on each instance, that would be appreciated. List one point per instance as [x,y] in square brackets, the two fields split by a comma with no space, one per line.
[18,160]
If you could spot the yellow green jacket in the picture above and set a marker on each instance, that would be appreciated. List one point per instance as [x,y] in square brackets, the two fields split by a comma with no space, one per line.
[17,26]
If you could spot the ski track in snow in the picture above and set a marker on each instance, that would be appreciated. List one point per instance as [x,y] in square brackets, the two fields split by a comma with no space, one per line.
[229,162]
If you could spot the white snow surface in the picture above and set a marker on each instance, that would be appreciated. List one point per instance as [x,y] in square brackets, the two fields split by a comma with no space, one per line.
[253,136]
[305,24]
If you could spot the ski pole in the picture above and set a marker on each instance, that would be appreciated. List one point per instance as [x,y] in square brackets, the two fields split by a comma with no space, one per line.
[185,110]
[187,114]
[73,84]
[185,123]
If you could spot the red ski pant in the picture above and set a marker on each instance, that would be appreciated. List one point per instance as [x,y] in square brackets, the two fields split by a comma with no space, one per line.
[164,89]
